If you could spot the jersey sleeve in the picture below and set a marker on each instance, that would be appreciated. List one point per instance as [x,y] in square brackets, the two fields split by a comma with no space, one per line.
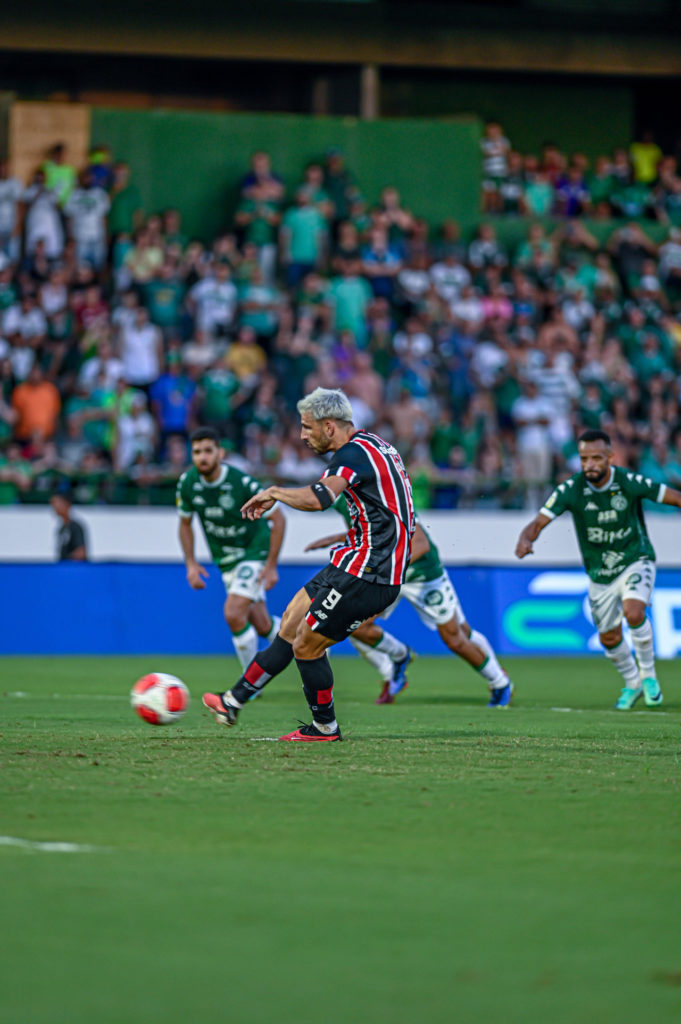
[639,486]
[183,498]
[559,501]
[351,463]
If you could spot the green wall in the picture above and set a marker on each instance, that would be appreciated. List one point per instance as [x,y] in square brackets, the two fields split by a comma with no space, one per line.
[591,116]
[195,161]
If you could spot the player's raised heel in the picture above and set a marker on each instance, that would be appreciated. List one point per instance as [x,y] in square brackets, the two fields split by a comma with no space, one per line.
[627,698]
[652,694]
[225,714]
[399,679]
[385,696]
[501,696]
[311,734]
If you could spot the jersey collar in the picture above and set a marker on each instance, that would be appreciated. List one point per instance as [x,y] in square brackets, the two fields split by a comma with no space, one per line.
[608,483]
[215,483]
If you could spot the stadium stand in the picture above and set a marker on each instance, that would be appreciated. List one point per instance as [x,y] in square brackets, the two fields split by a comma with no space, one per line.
[480,356]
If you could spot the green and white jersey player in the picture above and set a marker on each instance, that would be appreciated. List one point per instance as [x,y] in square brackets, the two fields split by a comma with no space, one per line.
[605,502]
[429,590]
[245,551]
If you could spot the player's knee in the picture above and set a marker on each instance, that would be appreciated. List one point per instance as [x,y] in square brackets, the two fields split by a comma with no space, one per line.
[634,612]
[612,638]
[306,647]
[236,620]
[453,636]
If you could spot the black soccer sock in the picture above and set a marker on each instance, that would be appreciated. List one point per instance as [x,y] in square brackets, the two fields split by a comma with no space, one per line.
[318,688]
[265,666]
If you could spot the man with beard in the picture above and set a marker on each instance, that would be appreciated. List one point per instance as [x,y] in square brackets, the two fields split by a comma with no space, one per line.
[364,575]
[605,502]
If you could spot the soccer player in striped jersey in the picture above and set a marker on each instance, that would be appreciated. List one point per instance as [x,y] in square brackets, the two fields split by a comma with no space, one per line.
[429,590]
[364,575]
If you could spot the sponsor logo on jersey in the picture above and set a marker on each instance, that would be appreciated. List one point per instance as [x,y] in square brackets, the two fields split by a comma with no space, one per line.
[212,513]
[591,506]
[354,625]
[612,559]
[198,500]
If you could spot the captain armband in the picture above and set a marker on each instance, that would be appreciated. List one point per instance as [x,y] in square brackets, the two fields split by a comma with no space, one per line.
[324,494]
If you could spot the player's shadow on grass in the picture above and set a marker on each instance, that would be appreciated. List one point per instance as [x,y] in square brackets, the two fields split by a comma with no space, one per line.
[446,699]
[441,734]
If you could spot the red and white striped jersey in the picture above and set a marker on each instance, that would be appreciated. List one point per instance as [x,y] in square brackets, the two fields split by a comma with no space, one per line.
[381,508]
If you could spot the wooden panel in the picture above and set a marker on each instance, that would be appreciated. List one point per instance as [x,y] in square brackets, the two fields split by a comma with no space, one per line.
[35,127]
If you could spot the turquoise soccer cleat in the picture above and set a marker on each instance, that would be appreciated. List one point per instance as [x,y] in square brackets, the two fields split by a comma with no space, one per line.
[652,694]
[627,698]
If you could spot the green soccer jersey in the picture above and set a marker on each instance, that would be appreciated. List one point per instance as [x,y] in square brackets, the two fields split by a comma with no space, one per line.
[609,520]
[230,538]
[427,567]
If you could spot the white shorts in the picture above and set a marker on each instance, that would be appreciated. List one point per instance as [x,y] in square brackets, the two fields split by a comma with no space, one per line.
[244,580]
[435,601]
[636,582]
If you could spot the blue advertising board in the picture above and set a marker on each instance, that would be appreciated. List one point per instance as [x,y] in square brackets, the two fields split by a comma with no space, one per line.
[137,609]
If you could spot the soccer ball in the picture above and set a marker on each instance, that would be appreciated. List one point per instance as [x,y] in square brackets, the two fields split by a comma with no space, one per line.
[159,698]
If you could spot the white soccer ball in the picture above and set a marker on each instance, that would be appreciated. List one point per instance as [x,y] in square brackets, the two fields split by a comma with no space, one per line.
[160,699]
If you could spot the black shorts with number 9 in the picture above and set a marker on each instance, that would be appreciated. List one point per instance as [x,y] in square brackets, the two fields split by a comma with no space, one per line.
[341,602]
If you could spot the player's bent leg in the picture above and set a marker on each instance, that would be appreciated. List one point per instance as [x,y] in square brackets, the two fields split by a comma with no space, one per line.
[265,624]
[309,649]
[459,638]
[244,636]
[377,659]
[617,651]
[389,656]
[642,638]
[265,665]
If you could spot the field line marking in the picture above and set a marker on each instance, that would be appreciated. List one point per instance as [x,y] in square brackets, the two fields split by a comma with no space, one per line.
[69,696]
[49,847]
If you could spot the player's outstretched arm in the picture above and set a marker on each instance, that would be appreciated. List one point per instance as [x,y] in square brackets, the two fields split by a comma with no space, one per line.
[270,573]
[306,499]
[530,534]
[419,544]
[325,542]
[195,572]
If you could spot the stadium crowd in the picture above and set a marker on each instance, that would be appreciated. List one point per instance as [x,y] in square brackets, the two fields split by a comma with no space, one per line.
[119,334]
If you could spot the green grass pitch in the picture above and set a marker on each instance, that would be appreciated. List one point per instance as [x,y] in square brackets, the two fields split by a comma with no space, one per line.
[445,864]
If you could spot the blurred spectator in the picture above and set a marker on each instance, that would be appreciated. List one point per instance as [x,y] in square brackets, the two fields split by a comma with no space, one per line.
[141,349]
[37,404]
[42,218]
[125,213]
[645,157]
[11,191]
[172,400]
[86,209]
[532,416]
[338,182]
[261,184]
[303,238]
[213,301]
[136,433]
[100,167]
[495,149]
[59,176]
[71,537]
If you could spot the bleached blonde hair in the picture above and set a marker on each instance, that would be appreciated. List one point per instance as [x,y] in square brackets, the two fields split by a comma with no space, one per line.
[326,404]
